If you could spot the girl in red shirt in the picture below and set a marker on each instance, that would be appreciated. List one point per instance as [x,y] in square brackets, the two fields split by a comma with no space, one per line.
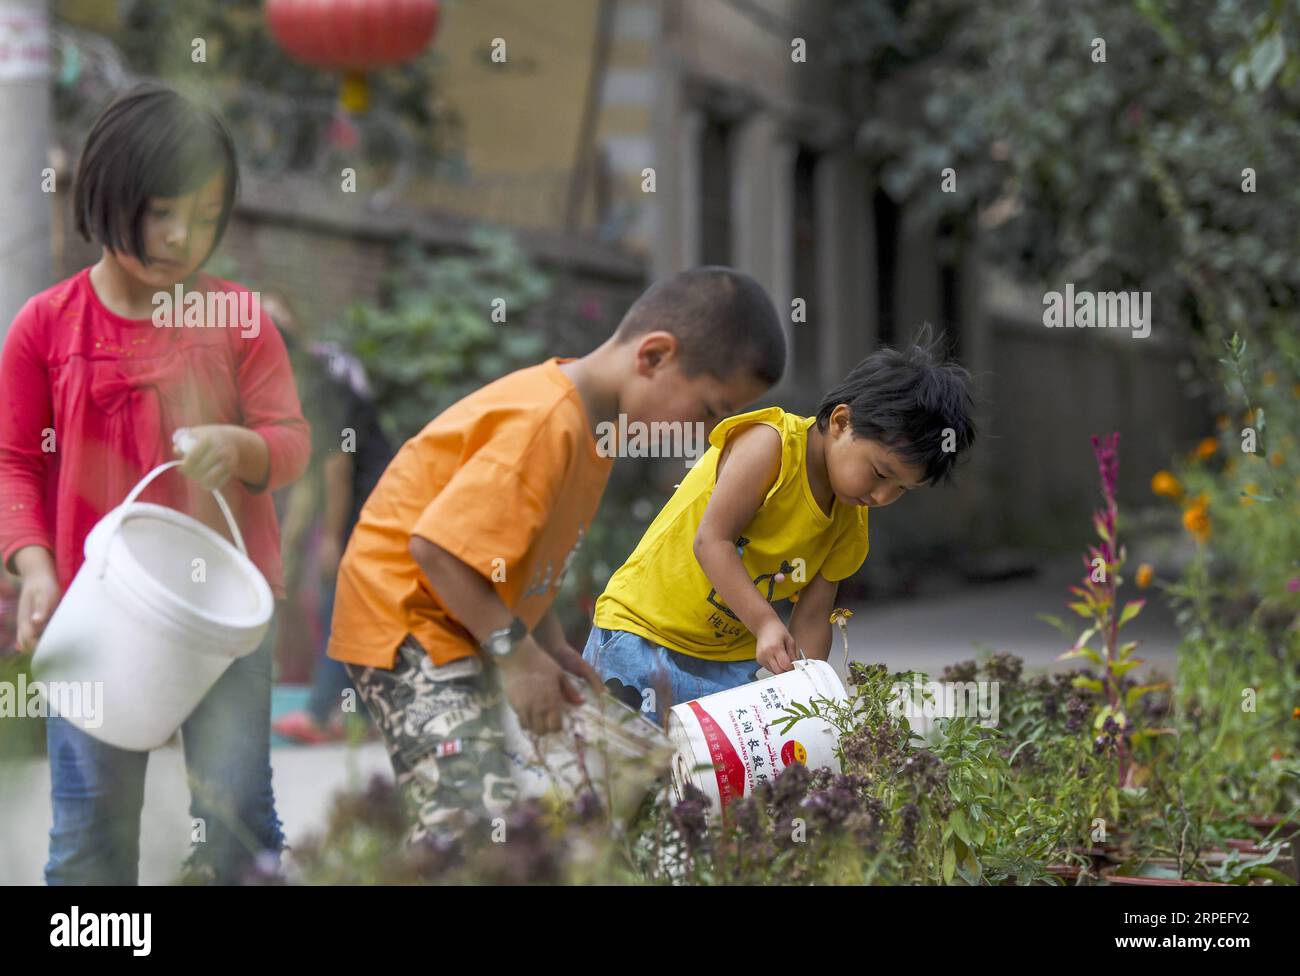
[97,373]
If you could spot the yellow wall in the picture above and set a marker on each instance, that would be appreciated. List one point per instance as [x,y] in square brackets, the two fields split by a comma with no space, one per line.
[524,115]
[520,120]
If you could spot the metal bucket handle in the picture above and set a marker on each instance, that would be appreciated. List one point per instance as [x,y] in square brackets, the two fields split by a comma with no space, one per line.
[144,483]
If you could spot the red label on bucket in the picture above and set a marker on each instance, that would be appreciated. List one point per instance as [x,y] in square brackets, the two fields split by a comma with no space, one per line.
[727,766]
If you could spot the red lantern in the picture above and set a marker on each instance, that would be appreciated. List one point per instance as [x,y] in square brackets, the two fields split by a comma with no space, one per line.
[354,36]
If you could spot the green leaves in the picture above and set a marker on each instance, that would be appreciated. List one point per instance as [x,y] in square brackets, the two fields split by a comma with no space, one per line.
[1090,684]
[972,834]
[1138,692]
[1131,610]
[437,340]
[1055,622]
[1084,652]
[1266,60]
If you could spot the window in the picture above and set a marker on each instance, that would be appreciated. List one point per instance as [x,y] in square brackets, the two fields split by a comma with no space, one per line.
[887,217]
[948,247]
[805,335]
[715,192]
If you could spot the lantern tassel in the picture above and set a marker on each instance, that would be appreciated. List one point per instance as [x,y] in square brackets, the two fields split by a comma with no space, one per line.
[354,96]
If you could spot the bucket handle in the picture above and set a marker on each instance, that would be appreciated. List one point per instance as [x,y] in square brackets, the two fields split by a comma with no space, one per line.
[144,483]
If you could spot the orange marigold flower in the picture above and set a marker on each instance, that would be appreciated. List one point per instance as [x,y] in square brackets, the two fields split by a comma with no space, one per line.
[1196,520]
[1276,459]
[1165,484]
[1207,448]
[1295,714]
[1144,576]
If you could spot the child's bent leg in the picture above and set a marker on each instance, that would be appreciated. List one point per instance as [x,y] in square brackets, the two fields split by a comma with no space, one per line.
[615,678]
[698,678]
[445,739]
[97,791]
[634,669]
[227,743]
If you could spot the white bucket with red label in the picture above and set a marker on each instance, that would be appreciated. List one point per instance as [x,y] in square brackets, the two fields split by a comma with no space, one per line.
[727,743]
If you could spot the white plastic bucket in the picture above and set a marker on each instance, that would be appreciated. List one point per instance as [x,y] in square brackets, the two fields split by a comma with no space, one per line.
[726,743]
[605,748]
[145,627]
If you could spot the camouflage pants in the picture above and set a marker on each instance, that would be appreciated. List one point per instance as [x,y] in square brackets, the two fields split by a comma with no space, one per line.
[444,736]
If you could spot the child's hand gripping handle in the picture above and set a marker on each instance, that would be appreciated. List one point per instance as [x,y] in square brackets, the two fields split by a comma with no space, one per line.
[182,441]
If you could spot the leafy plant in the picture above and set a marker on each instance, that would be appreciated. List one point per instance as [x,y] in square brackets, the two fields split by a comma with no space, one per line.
[1098,603]
[1071,170]
[437,341]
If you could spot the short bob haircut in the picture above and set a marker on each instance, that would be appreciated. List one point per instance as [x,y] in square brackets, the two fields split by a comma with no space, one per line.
[908,399]
[151,142]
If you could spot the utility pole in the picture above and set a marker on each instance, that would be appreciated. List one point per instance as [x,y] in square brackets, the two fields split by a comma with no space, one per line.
[25,185]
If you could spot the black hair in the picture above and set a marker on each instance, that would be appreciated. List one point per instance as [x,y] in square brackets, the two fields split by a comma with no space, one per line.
[722,319]
[908,399]
[150,142]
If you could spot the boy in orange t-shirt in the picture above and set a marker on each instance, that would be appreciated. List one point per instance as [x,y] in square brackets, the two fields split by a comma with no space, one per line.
[444,592]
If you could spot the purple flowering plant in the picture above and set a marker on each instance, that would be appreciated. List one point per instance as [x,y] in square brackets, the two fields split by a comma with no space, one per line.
[1098,602]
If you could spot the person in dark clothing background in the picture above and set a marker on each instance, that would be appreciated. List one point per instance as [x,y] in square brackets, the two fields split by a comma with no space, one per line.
[349,453]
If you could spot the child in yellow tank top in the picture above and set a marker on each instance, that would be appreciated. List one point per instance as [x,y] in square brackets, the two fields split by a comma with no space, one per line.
[775,510]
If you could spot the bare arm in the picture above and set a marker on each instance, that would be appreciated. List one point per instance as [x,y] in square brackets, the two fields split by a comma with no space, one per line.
[337,470]
[550,634]
[298,513]
[533,681]
[39,595]
[471,598]
[810,623]
[32,560]
[336,475]
[748,468]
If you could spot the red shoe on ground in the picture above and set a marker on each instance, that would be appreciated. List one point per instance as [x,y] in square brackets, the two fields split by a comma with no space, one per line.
[301,727]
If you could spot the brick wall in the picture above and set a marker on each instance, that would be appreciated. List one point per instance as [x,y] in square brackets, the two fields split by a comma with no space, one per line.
[326,255]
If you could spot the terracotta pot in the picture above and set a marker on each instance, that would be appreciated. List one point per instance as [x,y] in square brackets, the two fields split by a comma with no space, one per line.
[1289,830]
[1109,878]
[1068,873]
[1212,858]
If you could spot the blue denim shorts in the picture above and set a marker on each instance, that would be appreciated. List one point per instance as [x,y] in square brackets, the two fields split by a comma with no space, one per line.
[641,664]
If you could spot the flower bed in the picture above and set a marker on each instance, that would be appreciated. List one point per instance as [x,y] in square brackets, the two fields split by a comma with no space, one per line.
[1100,775]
